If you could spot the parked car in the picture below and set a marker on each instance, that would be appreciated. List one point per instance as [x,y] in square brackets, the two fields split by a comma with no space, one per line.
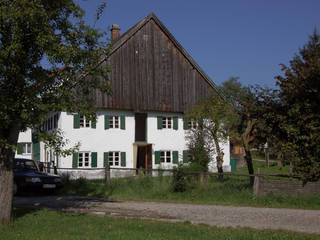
[28,177]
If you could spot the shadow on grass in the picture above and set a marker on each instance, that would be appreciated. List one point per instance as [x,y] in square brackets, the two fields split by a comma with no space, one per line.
[18,212]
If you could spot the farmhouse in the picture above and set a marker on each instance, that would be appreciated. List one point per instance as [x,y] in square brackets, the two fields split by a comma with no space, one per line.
[154,82]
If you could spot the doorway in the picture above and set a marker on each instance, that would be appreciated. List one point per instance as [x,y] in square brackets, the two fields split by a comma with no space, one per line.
[140,129]
[144,157]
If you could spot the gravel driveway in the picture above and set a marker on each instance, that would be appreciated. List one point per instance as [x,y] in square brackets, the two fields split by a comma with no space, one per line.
[307,221]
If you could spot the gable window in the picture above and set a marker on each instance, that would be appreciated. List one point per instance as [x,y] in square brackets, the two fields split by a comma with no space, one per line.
[24,148]
[84,123]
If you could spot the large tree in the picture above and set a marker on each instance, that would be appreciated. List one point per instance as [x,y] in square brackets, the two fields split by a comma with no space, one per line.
[293,111]
[244,120]
[48,62]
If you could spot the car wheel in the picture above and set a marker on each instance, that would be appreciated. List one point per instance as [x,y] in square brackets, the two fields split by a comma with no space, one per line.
[15,189]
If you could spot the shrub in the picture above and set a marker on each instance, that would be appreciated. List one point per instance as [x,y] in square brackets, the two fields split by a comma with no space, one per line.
[179,183]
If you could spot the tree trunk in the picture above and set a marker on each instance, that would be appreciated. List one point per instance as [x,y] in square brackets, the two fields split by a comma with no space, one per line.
[248,159]
[219,157]
[6,193]
[10,135]
[245,142]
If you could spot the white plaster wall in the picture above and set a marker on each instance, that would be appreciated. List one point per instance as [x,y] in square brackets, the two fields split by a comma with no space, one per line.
[98,139]
[166,139]
[24,137]
[225,147]
[175,140]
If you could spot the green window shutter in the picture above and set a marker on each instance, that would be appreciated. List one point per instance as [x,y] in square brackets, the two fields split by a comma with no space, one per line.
[123,159]
[75,160]
[93,123]
[185,124]
[76,121]
[94,156]
[106,122]
[36,151]
[105,159]
[159,122]
[19,148]
[186,156]
[122,122]
[34,137]
[175,157]
[175,123]
[157,157]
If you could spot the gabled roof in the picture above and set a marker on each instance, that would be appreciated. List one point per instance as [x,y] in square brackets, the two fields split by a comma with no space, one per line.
[128,34]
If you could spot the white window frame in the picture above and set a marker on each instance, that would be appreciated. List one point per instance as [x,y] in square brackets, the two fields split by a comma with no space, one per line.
[114,158]
[84,160]
[192,124]
[167,122]
[166,156]
[25,148]
[114,122]
[83,122]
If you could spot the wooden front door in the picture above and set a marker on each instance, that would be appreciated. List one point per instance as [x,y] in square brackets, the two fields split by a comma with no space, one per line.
[144,158]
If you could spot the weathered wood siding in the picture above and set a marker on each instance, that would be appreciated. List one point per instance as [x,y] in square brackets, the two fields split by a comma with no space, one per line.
[149,73]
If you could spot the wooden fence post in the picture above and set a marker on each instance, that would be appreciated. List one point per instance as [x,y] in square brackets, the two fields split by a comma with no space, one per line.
[256,184]
[107,175]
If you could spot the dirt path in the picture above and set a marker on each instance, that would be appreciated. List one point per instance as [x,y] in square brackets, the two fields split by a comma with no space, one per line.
[307,221]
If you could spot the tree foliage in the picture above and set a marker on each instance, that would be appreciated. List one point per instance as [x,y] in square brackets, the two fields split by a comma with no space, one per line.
[294,113]
[206,139]
[49,61]
[245,125]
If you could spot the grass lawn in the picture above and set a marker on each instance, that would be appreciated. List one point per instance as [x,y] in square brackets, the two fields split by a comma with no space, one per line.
[273,168]
[45,224]
[233,190]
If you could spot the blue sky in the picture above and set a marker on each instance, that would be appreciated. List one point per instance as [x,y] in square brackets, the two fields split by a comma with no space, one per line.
[241,38]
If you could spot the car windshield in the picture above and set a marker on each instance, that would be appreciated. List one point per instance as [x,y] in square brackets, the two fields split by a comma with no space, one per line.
[25,165]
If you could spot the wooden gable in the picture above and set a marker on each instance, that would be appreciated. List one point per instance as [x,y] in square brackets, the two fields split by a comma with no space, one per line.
[152,72]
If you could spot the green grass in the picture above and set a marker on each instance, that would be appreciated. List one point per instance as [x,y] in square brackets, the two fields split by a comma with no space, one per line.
[273,168]
[231,191]
[45,224]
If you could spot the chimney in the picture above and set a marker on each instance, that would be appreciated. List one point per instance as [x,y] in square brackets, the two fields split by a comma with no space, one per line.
[115,32]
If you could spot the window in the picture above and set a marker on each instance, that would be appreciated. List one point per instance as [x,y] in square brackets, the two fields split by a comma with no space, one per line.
[24,148]
[165,156]
[167,122]
[114,122]
[84,123]
[114,158]
[84,159]
[192,124]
